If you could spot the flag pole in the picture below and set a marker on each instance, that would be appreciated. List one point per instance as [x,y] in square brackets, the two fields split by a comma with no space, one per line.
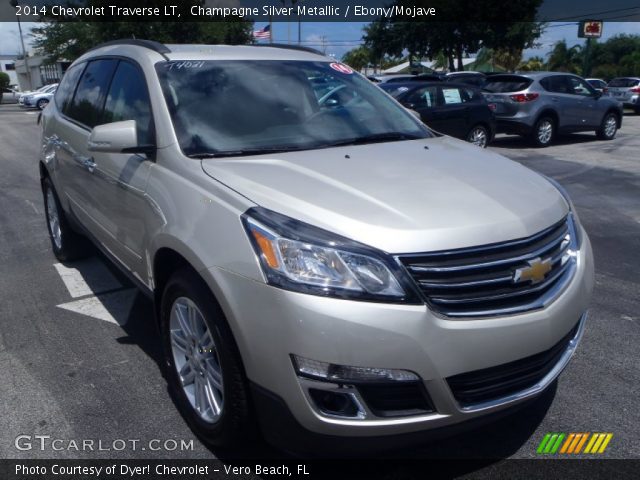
[270,29]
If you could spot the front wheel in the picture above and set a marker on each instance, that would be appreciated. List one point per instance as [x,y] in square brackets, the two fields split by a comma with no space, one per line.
[43,102]
[608,127]
[543,132]
[204,369]
[479,135]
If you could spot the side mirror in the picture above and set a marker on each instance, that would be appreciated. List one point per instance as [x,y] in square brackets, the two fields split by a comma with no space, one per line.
[598,94]
[116,137]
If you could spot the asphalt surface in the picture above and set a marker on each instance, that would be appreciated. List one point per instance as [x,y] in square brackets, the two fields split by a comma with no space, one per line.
[75,376]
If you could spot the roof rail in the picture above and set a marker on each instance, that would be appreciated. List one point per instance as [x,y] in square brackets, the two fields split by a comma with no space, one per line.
[290,47]
[150,44]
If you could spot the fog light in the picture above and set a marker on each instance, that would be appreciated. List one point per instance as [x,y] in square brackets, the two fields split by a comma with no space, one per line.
[334,403]
[345,374]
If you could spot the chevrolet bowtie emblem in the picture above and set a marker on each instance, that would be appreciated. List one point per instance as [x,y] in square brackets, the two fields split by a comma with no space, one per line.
[534,272]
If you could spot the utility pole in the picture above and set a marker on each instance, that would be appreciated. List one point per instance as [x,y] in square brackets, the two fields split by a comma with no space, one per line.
[323,41]
[14,4]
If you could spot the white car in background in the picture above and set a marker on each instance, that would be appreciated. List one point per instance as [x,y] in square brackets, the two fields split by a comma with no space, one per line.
[38,99]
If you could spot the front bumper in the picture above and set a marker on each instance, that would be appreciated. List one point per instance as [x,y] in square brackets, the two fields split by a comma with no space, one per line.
[270,324]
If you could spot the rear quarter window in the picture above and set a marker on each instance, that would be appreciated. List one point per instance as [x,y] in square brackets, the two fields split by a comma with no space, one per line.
[507,84]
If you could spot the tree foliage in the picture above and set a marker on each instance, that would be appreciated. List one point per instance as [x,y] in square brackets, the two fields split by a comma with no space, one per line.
[68,40]
[481,24]
[358,58]
[4,82]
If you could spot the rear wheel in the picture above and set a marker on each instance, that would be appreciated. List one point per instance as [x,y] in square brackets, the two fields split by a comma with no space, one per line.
[67,245]
[608,127]
[479,135]
[204,369]
[543,132]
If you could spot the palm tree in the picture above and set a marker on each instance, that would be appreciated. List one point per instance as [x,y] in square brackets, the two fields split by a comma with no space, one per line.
[565,59]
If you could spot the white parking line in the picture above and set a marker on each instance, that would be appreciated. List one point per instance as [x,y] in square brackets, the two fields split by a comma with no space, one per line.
[87,277]
[111,307]
[92,280]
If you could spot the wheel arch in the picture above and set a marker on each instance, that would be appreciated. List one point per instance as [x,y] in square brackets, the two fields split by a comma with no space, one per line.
[549,112]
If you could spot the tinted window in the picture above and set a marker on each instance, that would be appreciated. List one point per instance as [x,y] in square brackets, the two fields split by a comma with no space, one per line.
[556,84]
[424,97]
[506,83]
[128,99]
[393,89]
[68,86]
[624,82]
[86,106]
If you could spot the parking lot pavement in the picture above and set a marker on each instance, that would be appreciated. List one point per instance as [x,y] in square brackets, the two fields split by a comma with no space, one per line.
[79,356]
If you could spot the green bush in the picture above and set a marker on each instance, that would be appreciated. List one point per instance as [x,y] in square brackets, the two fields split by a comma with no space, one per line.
[4,83]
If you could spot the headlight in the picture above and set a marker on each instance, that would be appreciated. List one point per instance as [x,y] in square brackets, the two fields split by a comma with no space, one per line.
[299,257]
[574,221]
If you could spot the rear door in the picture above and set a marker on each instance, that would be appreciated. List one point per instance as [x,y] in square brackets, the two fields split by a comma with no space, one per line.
[454,111]
[83,112]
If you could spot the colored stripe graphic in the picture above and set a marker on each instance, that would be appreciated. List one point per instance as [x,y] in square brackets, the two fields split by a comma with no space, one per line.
[573,443]
[605,442]
[583,439]
[543,443]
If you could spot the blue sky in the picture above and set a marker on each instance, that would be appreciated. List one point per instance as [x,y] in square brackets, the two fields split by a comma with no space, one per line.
[340,37]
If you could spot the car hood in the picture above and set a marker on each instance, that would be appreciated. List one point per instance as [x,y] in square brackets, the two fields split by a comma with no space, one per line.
[401,197]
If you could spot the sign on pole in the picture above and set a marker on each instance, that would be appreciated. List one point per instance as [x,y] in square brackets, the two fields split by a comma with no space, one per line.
[590,29]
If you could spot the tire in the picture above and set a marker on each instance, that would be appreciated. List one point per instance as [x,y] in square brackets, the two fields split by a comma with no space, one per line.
[543,132]
[608,127]
[42,103]
[67,245]
[478,135]
[211,364]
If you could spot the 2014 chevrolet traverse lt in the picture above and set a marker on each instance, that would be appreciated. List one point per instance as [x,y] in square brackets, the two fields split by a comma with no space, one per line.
[321,263]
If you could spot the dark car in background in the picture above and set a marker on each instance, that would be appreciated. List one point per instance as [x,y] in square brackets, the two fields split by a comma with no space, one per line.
[454,109]
[626,90]
[541,105]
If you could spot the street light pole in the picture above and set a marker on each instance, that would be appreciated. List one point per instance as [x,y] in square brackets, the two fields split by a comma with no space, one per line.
[14,4]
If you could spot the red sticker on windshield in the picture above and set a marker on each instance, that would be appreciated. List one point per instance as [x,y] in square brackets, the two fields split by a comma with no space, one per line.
[342,68]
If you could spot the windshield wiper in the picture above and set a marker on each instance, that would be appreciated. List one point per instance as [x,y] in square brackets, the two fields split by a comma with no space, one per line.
[375,138]
[243,152]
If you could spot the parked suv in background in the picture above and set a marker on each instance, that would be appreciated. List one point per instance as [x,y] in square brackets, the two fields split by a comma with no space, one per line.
[321,263]
[544,104]
[626,90]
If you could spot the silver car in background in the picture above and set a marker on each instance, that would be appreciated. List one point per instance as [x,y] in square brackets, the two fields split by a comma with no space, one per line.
[39,98]
[541,105]
[626,90]
[324,268]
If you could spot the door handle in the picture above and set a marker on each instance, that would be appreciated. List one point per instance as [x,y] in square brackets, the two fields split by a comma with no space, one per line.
[554,99]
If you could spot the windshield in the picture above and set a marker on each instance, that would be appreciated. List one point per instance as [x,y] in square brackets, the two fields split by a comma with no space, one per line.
[238,107]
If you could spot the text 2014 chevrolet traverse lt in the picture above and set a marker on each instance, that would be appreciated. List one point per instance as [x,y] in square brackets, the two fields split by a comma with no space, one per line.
[321,263]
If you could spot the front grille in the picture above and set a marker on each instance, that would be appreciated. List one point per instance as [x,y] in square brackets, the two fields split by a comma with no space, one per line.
[492,383]
[482,281]
[396,399]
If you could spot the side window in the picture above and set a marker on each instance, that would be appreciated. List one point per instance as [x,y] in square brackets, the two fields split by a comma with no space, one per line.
[86,106]
[452,95]
[128,99]
[425,97]
[556,84]
[68,85]
[579,87]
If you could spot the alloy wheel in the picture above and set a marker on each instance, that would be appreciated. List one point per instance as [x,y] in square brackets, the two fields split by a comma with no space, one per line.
[196,359]
[53,218]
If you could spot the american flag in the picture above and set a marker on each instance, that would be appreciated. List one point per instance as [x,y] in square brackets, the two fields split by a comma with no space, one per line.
[265,33]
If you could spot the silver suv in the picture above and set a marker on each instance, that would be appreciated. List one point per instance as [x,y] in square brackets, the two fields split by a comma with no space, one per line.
[626,90]
[322,264]
[541,105]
